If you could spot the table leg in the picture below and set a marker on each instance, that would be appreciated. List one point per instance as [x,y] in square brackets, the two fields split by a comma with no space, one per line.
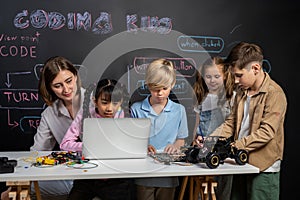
[199,185]
[37,190]
[183,186]
[213,194]
[191,188]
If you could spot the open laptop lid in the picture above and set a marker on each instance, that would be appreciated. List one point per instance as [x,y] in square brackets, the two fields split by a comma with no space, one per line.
[115,138]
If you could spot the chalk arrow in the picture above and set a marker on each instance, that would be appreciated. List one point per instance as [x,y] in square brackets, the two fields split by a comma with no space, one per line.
[15,124]
[8,83]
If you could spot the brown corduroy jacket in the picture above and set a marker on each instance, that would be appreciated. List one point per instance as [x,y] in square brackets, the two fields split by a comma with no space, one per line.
[267,109]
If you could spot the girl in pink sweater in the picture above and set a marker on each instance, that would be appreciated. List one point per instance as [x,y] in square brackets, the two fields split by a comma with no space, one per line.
[108,99]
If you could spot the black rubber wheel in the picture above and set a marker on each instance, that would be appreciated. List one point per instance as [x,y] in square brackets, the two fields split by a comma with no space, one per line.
[212,160]
[192,155]
[241,157]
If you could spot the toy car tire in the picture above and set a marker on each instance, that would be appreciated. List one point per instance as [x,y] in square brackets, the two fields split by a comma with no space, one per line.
[192,155]
[212,160]
[241,157]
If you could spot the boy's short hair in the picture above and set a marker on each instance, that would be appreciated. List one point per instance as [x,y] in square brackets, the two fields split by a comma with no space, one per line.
[244,53]
[160,73]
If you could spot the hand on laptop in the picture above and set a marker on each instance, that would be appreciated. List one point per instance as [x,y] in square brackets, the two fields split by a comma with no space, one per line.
[171,149]
[151,149]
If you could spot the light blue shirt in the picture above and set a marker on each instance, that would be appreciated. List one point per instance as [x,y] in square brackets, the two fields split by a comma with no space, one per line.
[166,127]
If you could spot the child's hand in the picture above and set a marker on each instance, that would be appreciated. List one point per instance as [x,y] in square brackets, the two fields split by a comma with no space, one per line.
[199,141]
[171,149]
[5,194]
[151,149]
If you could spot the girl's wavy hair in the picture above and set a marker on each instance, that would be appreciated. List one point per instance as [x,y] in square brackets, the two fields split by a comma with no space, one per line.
[200,88]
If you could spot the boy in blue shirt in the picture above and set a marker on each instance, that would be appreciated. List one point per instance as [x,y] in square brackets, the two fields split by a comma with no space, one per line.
[168,126]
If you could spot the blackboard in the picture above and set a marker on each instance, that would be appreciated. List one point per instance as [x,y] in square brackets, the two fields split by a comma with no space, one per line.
[118,38]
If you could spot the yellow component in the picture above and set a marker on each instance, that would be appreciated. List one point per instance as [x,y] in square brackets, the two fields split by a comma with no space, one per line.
[44,160]
[49,161]
[39,160]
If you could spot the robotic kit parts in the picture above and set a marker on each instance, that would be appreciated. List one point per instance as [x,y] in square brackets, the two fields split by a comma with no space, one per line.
[7,166]
[56,158]
[214,151]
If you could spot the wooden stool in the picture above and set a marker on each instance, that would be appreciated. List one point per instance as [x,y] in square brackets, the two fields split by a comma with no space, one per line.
[202,186]
[21,190]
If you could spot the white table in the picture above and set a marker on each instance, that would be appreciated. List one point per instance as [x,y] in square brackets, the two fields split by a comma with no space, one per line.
[124,168]
[127,168]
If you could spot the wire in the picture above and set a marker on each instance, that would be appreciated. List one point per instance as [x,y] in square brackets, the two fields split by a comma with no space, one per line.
[31,158]
[42,166]
[82,165]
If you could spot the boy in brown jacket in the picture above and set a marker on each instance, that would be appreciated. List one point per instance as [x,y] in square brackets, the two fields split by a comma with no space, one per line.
[257,123]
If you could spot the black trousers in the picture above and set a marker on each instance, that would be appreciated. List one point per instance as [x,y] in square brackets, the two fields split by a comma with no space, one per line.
[106,189]
[3,187]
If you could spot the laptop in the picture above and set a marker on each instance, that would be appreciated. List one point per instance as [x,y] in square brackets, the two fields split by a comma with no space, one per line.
[115,138]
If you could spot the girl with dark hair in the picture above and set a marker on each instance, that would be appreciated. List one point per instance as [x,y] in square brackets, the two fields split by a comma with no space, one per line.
[110,99]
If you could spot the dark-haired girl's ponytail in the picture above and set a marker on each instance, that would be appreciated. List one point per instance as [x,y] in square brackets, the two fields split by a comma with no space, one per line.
[86,102]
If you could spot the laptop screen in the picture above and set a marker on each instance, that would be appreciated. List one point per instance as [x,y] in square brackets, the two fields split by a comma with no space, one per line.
[115,138]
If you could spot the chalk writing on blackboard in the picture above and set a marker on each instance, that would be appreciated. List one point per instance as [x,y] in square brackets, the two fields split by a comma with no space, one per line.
[127,42]
[26,100]
[180,87]
[53,20]
[184,66]
[21,99]
[208,44]
[8,77]
[148,23]
[267,66]
[18,45]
